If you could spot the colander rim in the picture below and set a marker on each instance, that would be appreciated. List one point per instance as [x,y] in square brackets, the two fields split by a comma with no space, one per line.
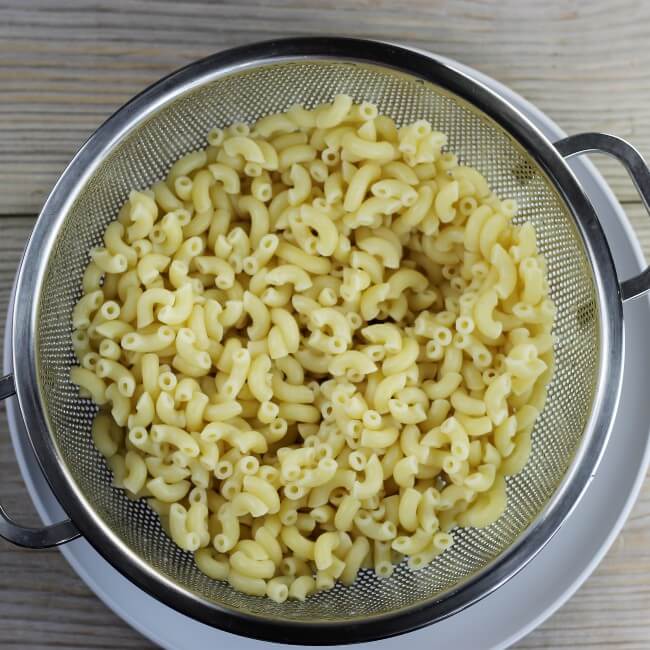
[31,276]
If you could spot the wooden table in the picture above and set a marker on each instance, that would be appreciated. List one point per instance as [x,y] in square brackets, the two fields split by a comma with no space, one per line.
[65,66]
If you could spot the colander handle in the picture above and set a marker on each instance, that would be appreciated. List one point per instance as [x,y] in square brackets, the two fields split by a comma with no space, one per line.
[638,170]
[44,537]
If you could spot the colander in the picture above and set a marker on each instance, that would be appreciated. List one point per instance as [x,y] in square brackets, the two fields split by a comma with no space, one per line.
[136,147]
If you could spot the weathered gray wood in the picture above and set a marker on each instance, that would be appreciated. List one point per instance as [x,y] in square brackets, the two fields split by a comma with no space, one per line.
[66,66]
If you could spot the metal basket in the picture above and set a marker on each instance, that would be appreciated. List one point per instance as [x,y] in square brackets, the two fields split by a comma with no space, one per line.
[137,145]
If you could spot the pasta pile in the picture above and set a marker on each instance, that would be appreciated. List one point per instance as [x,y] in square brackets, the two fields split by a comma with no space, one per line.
[320,344]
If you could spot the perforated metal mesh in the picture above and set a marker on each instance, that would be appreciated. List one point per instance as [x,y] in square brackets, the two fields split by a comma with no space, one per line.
[144,157]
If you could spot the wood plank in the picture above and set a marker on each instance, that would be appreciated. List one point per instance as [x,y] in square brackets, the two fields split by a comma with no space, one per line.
[43,603]
[66,66]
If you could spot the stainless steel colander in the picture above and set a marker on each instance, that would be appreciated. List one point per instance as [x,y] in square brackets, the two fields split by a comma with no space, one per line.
[137,145]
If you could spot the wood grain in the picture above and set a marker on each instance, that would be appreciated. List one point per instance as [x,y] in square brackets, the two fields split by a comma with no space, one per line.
[65,66]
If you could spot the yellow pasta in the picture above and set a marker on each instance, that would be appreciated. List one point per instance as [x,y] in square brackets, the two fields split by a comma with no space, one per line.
[320,342]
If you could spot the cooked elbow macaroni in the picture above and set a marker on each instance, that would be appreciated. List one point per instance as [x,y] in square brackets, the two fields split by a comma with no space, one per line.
[318,346]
